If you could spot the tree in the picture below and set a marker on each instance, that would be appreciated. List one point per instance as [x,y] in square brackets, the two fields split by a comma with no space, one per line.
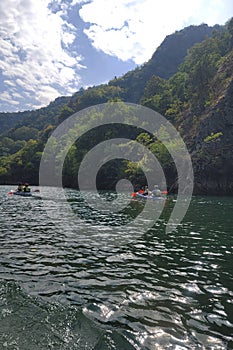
[230,30]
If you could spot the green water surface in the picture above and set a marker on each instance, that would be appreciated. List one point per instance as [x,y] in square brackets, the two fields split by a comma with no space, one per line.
[62,287]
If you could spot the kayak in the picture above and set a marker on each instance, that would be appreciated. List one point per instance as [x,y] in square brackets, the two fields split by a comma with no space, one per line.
[20,193]
[139,195]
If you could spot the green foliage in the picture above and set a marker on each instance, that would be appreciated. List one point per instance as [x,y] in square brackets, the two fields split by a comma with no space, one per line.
[174,111]
[213,136]
[201,65]
[43,116]
[230,30]
[157,95]
[66,111]
[135,174]
[24,133]
[193,86]
[8,120]
[144,139]
[3,171]
[96,95]
[155,86]
[9,146]
[178,83]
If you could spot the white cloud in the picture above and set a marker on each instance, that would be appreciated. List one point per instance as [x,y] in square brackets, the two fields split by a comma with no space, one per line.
[132,29]
[17,95]
[9,82]
[36,38]
[7,97]
[76,2]
[34,49]
[41,95]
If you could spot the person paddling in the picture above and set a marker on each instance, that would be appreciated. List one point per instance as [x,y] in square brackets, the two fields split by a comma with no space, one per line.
[26,187]
[146,191]
[156,191]
[19,188]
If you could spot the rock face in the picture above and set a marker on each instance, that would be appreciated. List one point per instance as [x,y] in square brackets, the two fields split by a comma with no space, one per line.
[164,62]
[212,148]
[171,53]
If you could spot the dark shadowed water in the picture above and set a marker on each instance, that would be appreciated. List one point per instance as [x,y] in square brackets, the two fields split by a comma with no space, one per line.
[60,289]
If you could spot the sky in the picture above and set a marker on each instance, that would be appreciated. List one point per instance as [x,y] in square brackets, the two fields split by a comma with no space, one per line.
[53,48]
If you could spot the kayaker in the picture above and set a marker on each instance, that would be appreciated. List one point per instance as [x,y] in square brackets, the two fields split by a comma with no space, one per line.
[156,191]
[19,188]
[145,193]
[26,187]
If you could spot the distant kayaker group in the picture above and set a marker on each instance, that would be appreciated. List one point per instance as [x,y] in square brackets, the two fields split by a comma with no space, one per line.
[144,191]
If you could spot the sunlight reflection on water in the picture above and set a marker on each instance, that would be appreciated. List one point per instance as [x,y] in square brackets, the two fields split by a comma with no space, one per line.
[155,291]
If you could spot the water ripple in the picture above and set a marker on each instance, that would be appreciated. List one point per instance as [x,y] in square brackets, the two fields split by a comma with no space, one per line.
[159,291]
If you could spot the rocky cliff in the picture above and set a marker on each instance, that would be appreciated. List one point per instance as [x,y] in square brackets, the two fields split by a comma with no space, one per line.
[212,146]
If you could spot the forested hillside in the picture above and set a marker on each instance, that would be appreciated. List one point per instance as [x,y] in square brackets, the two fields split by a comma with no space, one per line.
[189,80]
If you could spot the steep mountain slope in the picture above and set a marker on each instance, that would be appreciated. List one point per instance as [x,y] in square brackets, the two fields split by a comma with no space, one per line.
[212,142]
[164,62]
[130,87]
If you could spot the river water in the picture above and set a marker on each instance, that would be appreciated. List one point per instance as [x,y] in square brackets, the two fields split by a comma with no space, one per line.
[156,290]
